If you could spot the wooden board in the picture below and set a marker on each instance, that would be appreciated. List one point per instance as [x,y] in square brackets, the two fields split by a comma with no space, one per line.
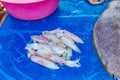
[3,13]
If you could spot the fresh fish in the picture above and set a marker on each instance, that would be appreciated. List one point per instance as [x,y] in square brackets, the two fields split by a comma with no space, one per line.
[56,59]
[39,39]
[73,37]
[52,38]
[42,61]
[70,44]
[107,38]
[53,48]
[43,48]
[75,63]
[66,40]
[65,52]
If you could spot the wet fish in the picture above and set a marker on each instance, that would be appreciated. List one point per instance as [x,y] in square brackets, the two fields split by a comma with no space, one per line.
[107,38]
[54,58]
[64,52]
[53,39]
[42,61]
[54,48]
[73,37]
[39,39]
[67,40]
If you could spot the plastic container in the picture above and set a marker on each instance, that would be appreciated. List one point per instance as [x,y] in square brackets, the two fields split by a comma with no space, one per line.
[30,9]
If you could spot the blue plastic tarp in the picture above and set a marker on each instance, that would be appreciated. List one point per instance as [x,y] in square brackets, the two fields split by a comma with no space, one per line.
[76,16]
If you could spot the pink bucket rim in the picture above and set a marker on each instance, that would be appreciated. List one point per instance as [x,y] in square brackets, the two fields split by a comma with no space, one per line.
[22,1]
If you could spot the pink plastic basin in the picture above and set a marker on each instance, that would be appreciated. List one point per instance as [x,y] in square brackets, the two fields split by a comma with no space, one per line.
[30,9]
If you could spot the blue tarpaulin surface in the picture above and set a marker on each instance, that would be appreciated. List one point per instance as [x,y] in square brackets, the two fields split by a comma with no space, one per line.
[76,16]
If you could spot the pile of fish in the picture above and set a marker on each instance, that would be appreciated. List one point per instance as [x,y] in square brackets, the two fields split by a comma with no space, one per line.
[54,48]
